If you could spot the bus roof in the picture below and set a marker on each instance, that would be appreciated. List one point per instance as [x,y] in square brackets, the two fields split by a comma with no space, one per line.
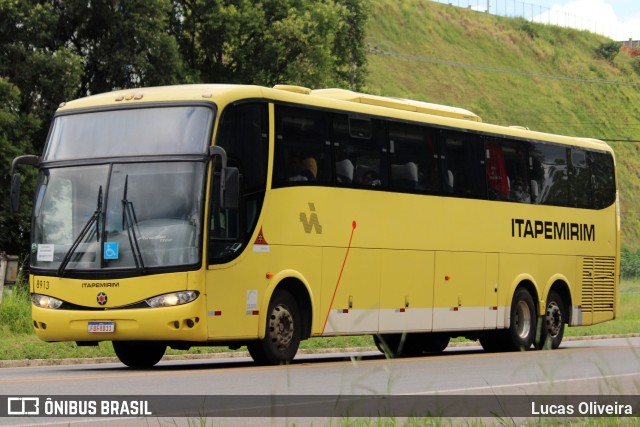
[398,103]
[340,99]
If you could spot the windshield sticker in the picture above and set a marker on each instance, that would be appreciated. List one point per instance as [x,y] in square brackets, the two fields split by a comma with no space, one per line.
[110,250]
[45,252]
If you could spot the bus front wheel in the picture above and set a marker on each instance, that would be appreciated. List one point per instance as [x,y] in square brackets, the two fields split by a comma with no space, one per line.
[283,332]
[553,322]
[522,329]
[138,354]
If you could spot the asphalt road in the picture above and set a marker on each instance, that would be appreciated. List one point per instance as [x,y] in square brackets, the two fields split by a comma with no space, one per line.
[605,367]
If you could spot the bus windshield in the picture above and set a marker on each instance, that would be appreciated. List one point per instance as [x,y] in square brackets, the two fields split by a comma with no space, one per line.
[123,215]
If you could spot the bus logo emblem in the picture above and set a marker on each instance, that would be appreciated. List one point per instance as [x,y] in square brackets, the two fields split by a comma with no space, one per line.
[102,298]
[311,222]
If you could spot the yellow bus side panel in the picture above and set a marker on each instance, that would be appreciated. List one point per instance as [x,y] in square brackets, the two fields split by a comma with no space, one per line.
[238,294]
[460,291]
[356,288]
[406,294]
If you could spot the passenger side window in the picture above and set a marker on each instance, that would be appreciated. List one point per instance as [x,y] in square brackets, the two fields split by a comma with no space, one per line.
[302,147]
[603,178]
[549,180]
[358,151]
[464,173]
[413,158]
[507,171]
[580,180]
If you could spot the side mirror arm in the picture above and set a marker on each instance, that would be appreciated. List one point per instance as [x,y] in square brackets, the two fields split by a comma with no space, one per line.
[27,159]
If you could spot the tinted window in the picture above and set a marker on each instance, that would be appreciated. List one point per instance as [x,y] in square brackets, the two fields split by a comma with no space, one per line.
[580,180]
[358,146]
[244,134]
[413,158]
[507,170]
[302,147]
[464,165]
[602,178]
[549,177]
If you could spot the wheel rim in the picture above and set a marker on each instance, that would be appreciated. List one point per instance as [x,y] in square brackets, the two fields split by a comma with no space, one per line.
[523,319]
[554,319]
[281,327]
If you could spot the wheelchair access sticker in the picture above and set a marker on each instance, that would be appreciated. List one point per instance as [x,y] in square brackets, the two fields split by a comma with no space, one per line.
[110,250]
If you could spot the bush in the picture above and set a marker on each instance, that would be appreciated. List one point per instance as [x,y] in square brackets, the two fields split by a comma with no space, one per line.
[629,264]
[608,51]
[635,64]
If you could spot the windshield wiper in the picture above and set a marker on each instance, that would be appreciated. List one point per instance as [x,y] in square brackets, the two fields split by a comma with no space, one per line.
[128,221]
[95,218]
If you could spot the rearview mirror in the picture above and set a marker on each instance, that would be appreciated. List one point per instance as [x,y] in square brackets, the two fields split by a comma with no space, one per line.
[231,192]
[229,182]
[15,193]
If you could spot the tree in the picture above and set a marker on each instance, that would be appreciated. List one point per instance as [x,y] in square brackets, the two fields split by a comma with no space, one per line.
[123,44]
[55,50]
[14,140]
[306,42]
[37,73]
[43,70]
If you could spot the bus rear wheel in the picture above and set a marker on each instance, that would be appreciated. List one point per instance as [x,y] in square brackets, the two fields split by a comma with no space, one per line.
[522,329]
[553,323]
[283,331]
[138,354]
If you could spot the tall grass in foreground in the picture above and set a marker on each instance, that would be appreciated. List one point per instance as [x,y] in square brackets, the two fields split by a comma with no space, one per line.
[15,312]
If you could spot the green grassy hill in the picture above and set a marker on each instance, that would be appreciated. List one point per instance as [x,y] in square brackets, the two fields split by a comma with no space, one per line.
[512,72]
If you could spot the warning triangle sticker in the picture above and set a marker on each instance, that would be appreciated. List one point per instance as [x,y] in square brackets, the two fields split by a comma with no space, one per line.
[260,240]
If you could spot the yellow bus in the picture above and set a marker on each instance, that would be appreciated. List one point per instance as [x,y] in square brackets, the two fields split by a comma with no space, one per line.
[242,215]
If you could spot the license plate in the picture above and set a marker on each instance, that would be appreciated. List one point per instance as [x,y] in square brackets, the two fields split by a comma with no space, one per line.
[101,327]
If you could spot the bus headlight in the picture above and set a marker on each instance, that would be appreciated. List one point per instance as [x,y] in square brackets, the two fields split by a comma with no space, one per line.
[172,299]
[45,301]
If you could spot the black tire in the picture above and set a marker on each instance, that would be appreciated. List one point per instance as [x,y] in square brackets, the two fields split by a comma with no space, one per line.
[522,329]
[283,331]
[496,341]
[553,322]
[489,342]
[493,342]
[139,354]
[435,343]
[398,345]
[410,345]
